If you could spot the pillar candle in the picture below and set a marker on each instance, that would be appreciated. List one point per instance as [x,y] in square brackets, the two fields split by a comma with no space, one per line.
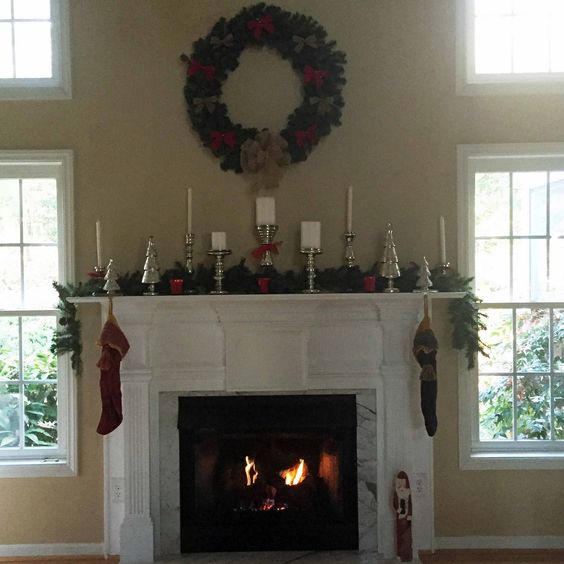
[189,210]
[442,239]
[98,243]
[349,208]
[218,241]
[311,235]
[266,211]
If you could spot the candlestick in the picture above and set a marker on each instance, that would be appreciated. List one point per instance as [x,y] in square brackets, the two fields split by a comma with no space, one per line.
[310,235]
[310,268]
[189,210]
[350,259]
[265,236]
[218,241]
[98,243]
[349,208]
[219,254]
[189,248]
[265,211]
[442,239]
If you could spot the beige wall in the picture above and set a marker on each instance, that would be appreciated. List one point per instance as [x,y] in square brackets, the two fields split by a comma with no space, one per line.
[135,155]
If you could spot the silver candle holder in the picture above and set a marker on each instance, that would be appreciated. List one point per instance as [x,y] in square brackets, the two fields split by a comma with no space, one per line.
[350,259]
[219,269]
[266,235]
[189,250]
[310,254]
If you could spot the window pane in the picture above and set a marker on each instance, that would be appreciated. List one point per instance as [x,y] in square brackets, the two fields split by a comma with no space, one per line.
[557,41]
[9,211]
[32,9]
[557,204]
[492,270]
[532,340]
[533,407]
[558,342]
[9,415]
[5,9]
[39,362]
[33,50]
[40,415]
[492,204]
[531,42]
[529,203]
[40,210]
[492,44]
[6,53]
[41,269]
[10,278]
[556,282]
[531,7]
[496,407]
[9,348]
[558,391]
[530,270]
[492,7]
[499,338]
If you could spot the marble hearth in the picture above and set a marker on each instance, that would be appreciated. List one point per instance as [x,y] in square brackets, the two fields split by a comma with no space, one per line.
[276,344]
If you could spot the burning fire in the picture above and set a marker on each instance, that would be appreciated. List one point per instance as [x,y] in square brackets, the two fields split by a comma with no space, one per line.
[296,474]
[251,471]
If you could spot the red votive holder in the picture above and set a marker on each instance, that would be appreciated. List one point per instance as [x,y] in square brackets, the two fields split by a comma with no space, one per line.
[369,283]
[264,285]
[176,286]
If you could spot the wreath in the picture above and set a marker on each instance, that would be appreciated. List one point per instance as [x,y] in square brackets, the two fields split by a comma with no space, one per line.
[296,38]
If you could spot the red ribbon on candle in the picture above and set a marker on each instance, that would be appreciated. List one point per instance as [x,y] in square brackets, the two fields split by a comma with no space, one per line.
[259,251]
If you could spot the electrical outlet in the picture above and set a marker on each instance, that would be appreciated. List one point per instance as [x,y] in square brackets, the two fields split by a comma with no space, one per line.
[117,488]
[420,485]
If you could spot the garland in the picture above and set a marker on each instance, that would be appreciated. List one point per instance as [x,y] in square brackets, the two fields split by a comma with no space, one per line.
[465,317]
[295,37]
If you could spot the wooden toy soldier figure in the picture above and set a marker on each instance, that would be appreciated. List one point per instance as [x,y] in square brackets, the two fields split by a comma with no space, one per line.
[403,507]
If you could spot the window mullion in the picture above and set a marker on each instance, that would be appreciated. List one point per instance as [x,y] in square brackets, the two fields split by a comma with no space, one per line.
[514,336]
[551,370]
[13,24]
[21,385]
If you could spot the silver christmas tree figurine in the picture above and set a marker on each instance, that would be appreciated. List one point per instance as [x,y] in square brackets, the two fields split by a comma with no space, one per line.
[389,268]
[111,286]
[151,269]
[424,282]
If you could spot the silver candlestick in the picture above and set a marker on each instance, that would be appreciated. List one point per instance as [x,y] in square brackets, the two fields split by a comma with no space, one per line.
[265,236]
[189,248]
[219,271]
[310,269]
[350,259]
[98,273]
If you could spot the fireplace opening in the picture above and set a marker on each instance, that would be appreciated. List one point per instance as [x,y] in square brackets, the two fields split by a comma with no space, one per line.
[268,473]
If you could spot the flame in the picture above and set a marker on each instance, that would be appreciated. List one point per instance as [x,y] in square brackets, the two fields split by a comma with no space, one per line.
[296,474]
[251,471]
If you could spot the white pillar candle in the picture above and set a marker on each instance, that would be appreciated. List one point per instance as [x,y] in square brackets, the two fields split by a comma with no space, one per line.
[189,210]
[311,235]
[266,214]
[98,243]
[349,208]
[218,241]
[442,239]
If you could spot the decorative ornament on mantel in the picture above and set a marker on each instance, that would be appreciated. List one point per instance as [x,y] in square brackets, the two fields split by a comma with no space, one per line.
[303,43]
[151,269]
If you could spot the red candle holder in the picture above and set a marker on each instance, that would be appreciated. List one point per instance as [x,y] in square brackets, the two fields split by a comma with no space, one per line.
[264,285]
[369,283]
[176,286]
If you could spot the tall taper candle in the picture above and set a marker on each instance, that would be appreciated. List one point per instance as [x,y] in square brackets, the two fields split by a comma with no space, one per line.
[98,243]
[349,208]
[189,210]
[442,239]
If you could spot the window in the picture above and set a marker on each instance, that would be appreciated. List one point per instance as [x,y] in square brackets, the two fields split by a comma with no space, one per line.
[36,388]
[34,49]
[511,202]
[510,46]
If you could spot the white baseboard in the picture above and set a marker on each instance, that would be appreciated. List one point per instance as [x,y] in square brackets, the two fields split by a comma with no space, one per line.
[514,542]
[85,549]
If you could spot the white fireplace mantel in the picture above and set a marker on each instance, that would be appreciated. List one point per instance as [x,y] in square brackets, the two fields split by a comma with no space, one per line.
[269,344]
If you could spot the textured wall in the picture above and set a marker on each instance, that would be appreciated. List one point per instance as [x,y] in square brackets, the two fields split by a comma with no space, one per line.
[135,155]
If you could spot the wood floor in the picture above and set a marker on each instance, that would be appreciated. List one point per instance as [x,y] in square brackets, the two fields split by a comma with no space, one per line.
[493,556]
[63,559]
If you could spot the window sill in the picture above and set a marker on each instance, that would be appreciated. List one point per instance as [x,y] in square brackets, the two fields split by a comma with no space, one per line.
[532,460]
[37,468]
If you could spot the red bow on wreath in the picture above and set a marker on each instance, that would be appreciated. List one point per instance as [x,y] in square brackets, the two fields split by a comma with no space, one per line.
[309,135]
[220,137]
[311,74]
[259,251]
[259,25]
[195,66]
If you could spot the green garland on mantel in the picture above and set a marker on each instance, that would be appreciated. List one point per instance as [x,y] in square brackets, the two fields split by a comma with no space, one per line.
[466,318]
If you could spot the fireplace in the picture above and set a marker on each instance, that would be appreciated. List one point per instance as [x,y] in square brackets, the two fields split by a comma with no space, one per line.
[268,473]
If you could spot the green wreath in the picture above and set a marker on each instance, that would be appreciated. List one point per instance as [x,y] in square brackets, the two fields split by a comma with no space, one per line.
[298,39]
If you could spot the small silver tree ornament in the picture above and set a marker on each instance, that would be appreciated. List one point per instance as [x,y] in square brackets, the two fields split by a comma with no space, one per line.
[424,282]
[389,268]
[151,269]
[111,286]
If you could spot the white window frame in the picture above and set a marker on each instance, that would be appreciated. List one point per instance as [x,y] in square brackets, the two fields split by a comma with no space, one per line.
[473,453]
[58,87]
[62,461]
[468,83]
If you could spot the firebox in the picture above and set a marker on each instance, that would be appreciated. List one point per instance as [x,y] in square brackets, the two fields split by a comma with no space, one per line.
[268,473]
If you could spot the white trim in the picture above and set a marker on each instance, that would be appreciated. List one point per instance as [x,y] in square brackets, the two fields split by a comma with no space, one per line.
[513,542]
[62,549]
[59,86]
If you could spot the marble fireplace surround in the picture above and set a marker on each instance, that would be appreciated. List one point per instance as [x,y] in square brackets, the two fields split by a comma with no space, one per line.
[256,344]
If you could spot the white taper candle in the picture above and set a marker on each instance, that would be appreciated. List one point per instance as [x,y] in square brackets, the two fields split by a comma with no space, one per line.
[98,243]
[189,210]
[442,239]
[349,208]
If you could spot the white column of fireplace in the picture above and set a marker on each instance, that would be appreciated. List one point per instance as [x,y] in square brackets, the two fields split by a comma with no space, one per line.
[264,344]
